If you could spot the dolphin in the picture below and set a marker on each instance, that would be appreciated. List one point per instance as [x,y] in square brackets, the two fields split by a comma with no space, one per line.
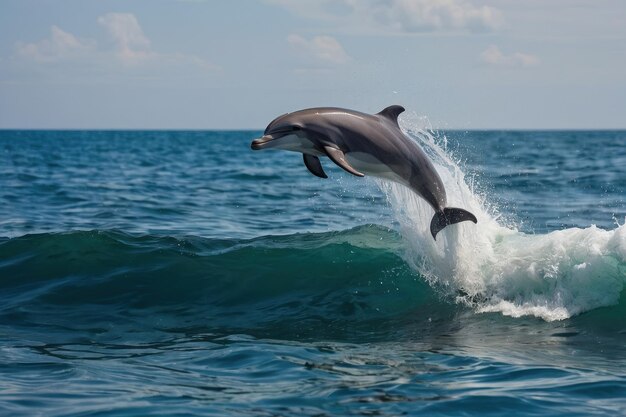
[362,143]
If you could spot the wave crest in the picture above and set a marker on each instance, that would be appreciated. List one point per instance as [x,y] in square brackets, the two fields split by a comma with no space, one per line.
[493,267]
[332,284]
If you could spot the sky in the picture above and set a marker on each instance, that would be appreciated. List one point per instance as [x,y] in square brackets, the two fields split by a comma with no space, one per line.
[210,64]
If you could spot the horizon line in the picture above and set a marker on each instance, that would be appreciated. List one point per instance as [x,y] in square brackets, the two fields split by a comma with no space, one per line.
[134,129]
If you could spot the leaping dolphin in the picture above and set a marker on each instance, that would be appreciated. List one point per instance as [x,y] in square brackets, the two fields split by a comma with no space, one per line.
[362,144]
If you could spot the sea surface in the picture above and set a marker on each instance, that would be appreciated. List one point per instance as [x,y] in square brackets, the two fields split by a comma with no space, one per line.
[180,273]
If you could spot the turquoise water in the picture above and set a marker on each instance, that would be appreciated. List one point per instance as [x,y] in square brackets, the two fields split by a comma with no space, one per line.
[181,273]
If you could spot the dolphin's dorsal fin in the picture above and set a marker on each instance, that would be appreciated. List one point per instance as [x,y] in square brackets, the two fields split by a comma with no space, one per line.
[391,112]
[314,165]
[338,157]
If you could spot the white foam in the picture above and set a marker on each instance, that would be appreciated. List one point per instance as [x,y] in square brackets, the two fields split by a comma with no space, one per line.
[494,267]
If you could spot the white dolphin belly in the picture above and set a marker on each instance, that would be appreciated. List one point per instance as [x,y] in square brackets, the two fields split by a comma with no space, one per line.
[295,143]
[370,165]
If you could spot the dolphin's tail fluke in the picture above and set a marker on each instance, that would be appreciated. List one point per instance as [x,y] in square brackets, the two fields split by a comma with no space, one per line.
[448,216]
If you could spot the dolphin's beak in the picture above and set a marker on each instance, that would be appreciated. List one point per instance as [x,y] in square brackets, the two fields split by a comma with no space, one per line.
[257,144]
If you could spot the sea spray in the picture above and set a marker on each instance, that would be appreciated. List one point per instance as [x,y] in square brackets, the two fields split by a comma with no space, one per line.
[492,266]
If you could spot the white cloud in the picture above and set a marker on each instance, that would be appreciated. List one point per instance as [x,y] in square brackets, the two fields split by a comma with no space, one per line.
[60,45]
[131,47]
[319,49]
[493,56]
[430,15]
[131,43]
[401,15]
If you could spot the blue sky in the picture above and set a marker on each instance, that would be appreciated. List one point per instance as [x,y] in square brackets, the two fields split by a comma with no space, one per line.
[194,64]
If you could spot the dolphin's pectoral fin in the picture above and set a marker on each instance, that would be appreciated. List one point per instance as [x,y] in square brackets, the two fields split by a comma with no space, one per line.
[391,112]
[448,216]
[338,157]
[314,165]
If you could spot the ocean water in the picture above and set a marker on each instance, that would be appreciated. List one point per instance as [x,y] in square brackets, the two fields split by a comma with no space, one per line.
[180,273]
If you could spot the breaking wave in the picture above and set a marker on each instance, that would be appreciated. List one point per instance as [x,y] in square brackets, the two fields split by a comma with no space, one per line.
[492,266]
